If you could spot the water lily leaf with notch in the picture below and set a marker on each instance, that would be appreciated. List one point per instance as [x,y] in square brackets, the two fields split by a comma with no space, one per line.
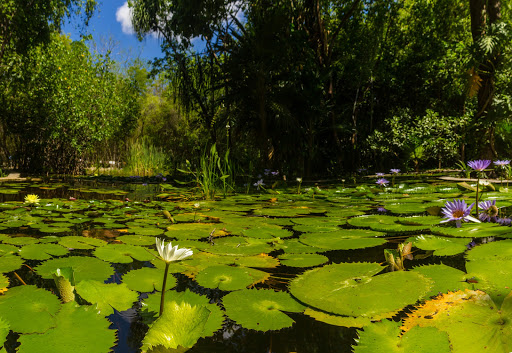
[227,278]
[215,320]
[445,278]
[404,208]
[191,230]
[474,230]
[294,246]
[76,242]
[267,231]
[337,240]
[148,231]
[122,253]
[302,260]
[74,327]
[261,310]
[21,241]
[495,250]
[442,246]
[148,279]
[337,320]
[492,275]
[84,268]
[134,239]
[42,251]
[368,220]
[10,263]
[8,249]
[386,337]
[349,289]
[106,296]
[239,246]
[472,320]
[420,220]
[29,309]
[180,325]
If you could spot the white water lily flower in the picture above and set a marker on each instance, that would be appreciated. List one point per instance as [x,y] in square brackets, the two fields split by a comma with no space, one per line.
[169,253]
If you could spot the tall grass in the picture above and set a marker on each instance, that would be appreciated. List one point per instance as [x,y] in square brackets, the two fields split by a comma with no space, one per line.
[144,159]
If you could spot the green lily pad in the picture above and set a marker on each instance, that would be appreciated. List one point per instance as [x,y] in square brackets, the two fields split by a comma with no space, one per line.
[10,263]
[20,241]
[368,220]
[495,250]
[133,239]
[148,279]
[302,260]
[492,275]
[474,230]
[215,320]
[294,246]
[85,268]
[77,329]
[261,310]
[471,319]
[336,241]
[386,337]
[42,251]
[76,242]
[106,296]
[337,320]
[180,325]
[268,231]
[147,231]
[239,246]
[227,278]
[445,278]
[122,253]
[29,309]
[349,289]
[442,246]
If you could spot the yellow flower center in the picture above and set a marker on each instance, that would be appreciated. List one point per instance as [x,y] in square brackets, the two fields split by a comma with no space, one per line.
[458,214]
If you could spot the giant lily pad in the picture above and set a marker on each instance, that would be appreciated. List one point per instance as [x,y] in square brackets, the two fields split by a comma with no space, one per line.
[29,309]
[107,297]
[261,310]
[349,289]
[76,329]
[473,322]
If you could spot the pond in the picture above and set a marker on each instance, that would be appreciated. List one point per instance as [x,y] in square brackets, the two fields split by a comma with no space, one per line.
[271,271]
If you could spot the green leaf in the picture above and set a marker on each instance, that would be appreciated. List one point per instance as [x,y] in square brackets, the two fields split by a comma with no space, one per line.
[261,310]
[302,260]
[227,278]
[148,279]
[78,329]
[385,337]
[29,309]
[349,289]
[445,278]
[76,242]
[442,246]
[85,268]
[42,251]
[107,296]
[122,253]
[180,325]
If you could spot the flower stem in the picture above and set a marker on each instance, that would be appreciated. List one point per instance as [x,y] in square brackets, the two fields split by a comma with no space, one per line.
[477,184]
[163,289]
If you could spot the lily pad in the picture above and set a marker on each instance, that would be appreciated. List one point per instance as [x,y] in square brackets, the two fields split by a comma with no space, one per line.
[84,268]
[122,253]
[106,297]
[474,230]
[148,279]
[29,309]
[442,246]
[337,320]
[336,241]
[227,278]
[471,319]
[76,329]
[386,337]
[445,278]
[302,260]
[349,289]
[42,251]
[261,310]
[10,263]
[76,242]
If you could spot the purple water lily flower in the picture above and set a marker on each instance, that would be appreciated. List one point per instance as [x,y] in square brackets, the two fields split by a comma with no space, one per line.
[380,174]
[276,173]
[489,211]
[395,171]
[381,210]
[259,183]
[382,182]
[504,221]
[479,164]
[501,163]
[458,211]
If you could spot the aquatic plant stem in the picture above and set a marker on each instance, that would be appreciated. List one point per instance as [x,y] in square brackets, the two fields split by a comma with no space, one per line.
[162,297]
[476,204]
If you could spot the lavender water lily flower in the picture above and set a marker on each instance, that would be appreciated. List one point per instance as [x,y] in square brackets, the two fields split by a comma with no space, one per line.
[458,211]
[489,211]
[380,174]
[503,163]
[479,164]
[395,171]
[382,182]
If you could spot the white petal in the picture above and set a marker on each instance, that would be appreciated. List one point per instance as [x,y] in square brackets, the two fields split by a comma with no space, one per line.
[472,219]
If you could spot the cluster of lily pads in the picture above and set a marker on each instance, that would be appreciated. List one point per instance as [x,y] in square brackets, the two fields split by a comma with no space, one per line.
[68,265]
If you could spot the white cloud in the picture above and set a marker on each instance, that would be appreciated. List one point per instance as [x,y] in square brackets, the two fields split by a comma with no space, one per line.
[124,16]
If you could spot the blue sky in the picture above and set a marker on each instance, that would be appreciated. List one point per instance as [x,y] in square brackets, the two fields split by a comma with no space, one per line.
[111,29]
